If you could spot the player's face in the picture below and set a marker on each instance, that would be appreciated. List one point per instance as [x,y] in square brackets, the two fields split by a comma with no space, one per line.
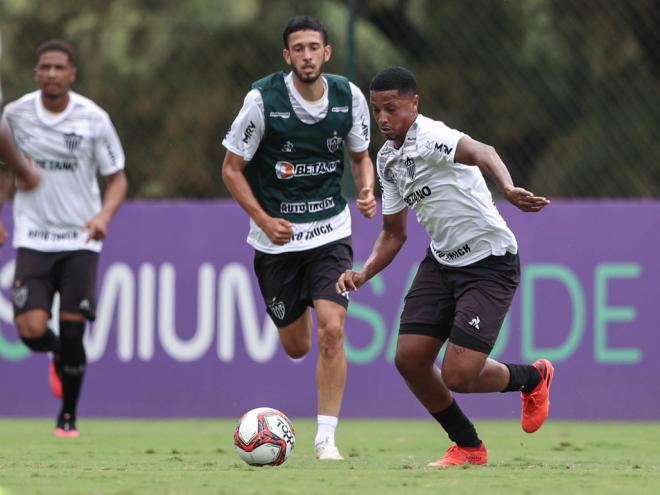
[54,73]
[394,113]
[306,54]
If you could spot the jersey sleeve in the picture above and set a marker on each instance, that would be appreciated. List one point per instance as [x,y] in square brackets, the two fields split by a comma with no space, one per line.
[442,142]
[392,200]
[360,133]
[248,128]
[108,151]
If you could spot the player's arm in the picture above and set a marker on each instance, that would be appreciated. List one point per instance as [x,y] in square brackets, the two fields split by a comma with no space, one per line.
[358,145]
[363,173]
[115,193]
[387,245]
[278,230]
[472,152]
[27,175]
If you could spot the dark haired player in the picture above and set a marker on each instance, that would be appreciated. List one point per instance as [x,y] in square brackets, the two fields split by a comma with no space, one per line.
[284,163]
[465,284]
[59,226]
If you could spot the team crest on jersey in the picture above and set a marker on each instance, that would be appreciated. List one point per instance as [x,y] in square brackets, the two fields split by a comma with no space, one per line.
[288,147]
[72,141]
[278,309]
[410,167]
[334,143]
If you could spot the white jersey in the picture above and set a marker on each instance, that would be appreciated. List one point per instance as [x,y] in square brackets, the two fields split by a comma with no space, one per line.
[451,200]
[70,148]
[310,234]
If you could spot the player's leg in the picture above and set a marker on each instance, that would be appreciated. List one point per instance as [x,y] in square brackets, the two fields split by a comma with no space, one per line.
[331,370]
[325,266]
[425,325]
[33,291]
[77,286]
[486,289]
[296,338]
[281,281]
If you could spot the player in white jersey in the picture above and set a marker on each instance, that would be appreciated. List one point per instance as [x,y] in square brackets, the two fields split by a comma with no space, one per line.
[464,286]
[28,176]
[283,165]
[60,225]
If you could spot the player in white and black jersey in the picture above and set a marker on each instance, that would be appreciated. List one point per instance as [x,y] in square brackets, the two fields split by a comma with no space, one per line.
[284,162]
[60,225]
[465,284]
[28,176]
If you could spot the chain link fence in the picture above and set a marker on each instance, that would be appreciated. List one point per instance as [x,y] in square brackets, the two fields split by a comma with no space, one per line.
[568,92]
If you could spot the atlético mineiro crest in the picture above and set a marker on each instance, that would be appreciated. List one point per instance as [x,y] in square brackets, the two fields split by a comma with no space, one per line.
[334,143]
[72,141]
[410,167]
[277,308]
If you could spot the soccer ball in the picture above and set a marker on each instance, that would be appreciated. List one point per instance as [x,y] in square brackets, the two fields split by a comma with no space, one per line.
[264,437]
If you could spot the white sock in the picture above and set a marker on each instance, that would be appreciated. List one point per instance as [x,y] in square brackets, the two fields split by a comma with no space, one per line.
[326,430]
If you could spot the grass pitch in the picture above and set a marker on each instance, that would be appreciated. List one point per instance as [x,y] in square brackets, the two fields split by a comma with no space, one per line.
[382,457]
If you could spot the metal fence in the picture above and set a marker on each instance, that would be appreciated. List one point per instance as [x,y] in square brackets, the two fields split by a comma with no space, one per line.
[568,92]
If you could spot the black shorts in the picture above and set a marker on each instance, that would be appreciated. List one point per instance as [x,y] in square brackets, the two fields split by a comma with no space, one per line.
[290,282]
[466,304]
[40,274]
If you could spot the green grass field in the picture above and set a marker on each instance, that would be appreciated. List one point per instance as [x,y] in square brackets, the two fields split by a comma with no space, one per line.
[383,457]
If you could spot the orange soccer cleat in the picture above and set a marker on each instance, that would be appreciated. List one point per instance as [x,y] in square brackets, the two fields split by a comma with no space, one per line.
[458,456]
[536,404]
[54,379]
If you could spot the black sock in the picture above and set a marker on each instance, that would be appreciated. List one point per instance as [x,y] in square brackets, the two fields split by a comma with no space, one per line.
[458,426]
[523,378]
[48,342]
[73,360]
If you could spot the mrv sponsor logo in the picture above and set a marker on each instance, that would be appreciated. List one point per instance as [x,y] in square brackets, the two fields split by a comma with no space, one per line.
[287,170]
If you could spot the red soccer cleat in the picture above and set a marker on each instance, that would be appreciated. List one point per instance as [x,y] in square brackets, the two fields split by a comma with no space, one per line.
[536,404]
[54,379]
[66,427]
[459,456]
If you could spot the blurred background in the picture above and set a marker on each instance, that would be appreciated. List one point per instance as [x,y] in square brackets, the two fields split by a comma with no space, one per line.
[568,92]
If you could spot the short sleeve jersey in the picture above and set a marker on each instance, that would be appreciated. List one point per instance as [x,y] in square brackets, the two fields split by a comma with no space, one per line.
[248,131]
[450,200]
[70,148]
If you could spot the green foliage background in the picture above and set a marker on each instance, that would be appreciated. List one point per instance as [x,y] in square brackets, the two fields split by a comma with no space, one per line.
[568,92]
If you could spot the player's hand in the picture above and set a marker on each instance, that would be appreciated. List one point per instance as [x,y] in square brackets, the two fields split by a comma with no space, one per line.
[526,200]
[28,177]
[3,234]
[350,281]
[278,230]
[366,202]
[96,228]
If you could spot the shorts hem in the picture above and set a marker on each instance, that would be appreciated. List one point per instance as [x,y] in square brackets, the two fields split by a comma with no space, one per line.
[465,339]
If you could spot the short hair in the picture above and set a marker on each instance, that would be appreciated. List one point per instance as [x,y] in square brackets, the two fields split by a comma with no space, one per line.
[55,45]
[303,23]
[394,78]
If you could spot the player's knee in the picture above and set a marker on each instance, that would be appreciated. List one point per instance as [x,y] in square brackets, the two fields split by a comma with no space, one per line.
[30,328]
[331,338]
[457,380]
[298,348]
[407,363]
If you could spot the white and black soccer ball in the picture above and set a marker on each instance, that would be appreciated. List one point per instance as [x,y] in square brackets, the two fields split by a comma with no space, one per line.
[264,437]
